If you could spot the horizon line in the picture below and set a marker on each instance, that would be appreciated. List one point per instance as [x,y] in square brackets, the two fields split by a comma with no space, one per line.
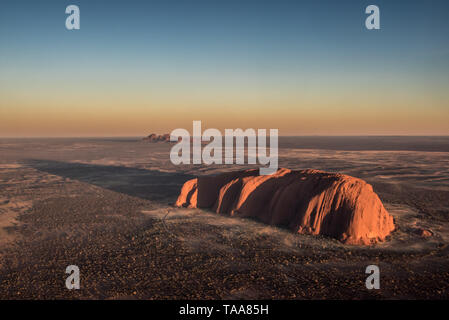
[280,136]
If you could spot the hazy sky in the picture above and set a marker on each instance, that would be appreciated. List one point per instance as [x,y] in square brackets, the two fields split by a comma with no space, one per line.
[304,67]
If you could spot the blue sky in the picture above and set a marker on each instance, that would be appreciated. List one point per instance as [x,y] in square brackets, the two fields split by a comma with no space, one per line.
[243,55]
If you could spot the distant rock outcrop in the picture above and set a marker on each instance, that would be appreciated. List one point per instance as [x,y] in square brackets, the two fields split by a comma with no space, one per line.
[157,138]
[308,201]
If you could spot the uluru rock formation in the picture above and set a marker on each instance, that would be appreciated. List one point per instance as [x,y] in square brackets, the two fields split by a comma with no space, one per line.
[307,201]
[157,137]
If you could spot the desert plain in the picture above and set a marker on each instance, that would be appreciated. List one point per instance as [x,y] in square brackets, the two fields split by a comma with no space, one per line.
[106,205]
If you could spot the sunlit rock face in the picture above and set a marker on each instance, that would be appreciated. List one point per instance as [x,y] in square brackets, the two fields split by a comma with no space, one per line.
[307,201]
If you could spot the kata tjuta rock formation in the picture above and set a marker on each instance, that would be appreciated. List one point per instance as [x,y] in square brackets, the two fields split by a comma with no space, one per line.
[308,201]
[157,138]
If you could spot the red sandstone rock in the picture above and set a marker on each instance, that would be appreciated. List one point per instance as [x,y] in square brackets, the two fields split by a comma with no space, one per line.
[308,201]
[188,196]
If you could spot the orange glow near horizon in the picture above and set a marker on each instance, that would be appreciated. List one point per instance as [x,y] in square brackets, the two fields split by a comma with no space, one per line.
[290,120]
[46,104]
[134,69]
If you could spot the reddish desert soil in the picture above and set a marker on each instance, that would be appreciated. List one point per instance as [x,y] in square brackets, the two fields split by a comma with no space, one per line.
[105,206]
